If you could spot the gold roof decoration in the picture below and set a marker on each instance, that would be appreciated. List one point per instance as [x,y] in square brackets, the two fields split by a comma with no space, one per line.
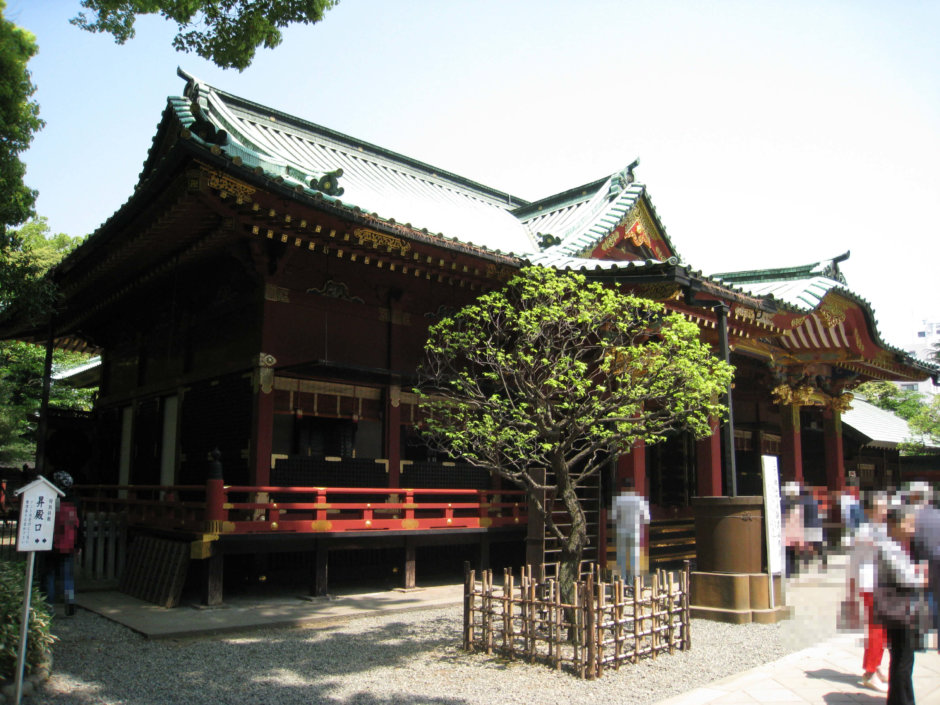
[377,239]
[832,311]
[786,395]
[842,402]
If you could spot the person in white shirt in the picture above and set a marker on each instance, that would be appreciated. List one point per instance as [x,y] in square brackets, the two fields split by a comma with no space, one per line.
[630,513]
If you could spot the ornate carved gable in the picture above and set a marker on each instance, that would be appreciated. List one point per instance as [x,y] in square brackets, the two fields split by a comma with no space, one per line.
[636,237]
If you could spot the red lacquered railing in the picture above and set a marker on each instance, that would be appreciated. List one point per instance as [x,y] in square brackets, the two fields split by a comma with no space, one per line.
[325,509]
[256,509]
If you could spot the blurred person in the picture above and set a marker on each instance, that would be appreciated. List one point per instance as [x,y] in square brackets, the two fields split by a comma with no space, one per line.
[925,546]
[812,528]
[852,514]
[792,514]
[918,494]
[630,514]
[65,543]
[899,602]
[860,578]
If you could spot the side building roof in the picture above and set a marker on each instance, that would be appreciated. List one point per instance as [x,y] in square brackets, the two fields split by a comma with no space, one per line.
[820,314]
[882,428]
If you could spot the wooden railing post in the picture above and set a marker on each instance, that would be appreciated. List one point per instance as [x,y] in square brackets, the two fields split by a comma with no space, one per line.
[467,605]
[409,505]
[686,599]
[486,502]
[215,495]
[216,516]
[321,504]
[590,622]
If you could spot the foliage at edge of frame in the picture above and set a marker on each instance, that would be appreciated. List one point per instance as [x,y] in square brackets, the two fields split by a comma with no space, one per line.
[40,640]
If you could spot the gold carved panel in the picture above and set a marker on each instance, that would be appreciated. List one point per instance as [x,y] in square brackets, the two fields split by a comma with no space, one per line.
[832,312]
[377,239]
[226,185]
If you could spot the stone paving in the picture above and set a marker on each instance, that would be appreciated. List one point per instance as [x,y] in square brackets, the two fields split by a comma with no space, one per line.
[827,671]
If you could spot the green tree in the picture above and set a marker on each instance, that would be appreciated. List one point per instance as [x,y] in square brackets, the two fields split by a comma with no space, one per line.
[21,374]
[22,364]
[925,429]
[906,403]
[559,374]
[226,32]
[19,120]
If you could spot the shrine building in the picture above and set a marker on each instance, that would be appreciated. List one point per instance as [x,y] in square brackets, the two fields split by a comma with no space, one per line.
[266,291]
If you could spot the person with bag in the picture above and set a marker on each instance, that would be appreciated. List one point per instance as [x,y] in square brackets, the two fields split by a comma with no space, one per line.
[65,543]
[860,578]
[925,546]
[899,603]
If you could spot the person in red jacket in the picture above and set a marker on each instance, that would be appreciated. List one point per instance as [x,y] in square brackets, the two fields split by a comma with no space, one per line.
[64,544]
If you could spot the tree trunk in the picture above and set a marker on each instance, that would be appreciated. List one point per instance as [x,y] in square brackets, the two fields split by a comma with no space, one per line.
[572,547]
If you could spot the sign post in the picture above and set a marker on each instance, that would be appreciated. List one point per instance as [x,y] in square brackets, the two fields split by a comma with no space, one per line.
[36,531]
[773,522]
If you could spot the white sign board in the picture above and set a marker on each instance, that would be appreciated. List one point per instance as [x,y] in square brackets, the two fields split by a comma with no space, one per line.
[772,518]
[37,515]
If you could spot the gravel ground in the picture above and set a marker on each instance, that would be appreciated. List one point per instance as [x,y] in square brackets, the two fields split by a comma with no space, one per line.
[391,659]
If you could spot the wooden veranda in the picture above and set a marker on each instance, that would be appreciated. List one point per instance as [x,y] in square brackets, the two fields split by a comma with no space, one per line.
[215,520]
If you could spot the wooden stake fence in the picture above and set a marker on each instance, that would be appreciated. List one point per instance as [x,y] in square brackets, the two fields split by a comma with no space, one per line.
[605,625]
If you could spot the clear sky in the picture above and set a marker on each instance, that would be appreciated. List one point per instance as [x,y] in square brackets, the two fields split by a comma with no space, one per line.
[770,133]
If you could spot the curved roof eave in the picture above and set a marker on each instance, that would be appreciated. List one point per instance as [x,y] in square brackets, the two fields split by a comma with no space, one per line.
[387,185]
[807,295]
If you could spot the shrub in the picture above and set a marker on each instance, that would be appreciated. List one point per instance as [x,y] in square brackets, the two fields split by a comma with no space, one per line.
[40,639]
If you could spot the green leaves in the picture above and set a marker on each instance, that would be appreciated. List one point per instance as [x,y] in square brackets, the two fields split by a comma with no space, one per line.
[21,371]
[39,638]
[557,366]
[19,120]
[226,32]
[28,253]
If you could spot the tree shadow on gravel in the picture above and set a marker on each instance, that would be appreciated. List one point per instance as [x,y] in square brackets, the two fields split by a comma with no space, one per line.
[388,664]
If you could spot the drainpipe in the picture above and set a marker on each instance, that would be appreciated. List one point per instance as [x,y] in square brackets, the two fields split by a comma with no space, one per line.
[727,441]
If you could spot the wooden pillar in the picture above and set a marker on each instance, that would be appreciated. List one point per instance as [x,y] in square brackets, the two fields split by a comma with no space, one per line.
[320,576]
[262,431]
[394,318]
[729,464]
[791,444]
[42,432]
[393,434]
[708,463]
[484,553]
[212,579]
[216,516]
[835,458]
[631,468]
[410,564]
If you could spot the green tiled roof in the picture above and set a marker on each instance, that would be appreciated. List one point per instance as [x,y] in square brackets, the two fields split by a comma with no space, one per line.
[802,286]
[828,268]
[366,178]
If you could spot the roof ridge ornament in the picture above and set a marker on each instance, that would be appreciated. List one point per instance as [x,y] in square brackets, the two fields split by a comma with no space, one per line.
[547,240]
[622,179]
[328,183]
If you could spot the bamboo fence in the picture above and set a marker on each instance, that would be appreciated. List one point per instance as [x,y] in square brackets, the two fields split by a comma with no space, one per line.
[605,625]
